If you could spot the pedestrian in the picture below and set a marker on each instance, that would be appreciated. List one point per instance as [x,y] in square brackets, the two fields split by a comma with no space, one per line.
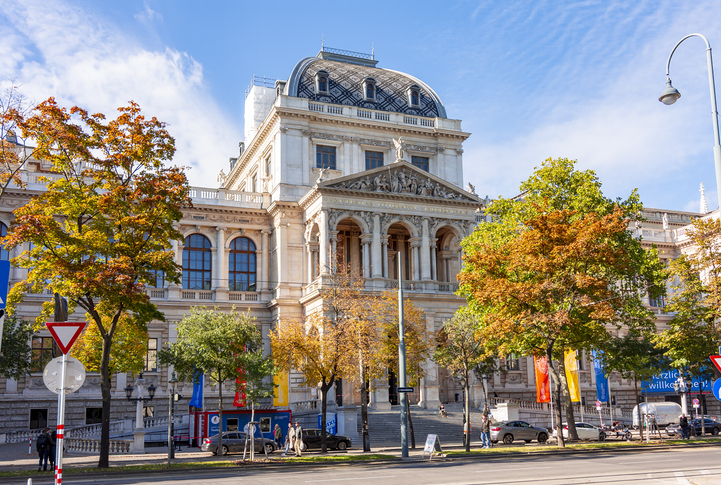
[485,432]
[278,435]
[289,439]
[298,439]
[683,423]
[44,443]
[53,448]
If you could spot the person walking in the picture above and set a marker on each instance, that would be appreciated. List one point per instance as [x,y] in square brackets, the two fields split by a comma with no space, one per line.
[53,448]
[44,443]
[289,439]
[278,436]
[298,439]
[485,432]
[683,423]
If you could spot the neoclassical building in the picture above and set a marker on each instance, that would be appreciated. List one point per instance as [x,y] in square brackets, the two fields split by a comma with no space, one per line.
[342,163]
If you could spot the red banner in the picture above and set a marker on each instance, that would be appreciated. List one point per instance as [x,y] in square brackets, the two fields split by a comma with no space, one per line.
[543,390]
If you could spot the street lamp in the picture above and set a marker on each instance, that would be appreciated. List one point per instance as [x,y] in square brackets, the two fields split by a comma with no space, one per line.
[141,399]
[171,417]
[681,387]
[670,95]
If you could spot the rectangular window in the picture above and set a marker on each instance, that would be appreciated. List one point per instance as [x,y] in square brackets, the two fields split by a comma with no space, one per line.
[512,362]
[93,415]
[151,358]
[420,162]
[38,418]
[44,349]
[159,278]
[374,160]
[254,183]
[268,167]
[325,157]
[265,425]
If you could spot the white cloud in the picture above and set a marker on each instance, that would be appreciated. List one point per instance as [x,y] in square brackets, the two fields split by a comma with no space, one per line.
[80,59]
[148,14]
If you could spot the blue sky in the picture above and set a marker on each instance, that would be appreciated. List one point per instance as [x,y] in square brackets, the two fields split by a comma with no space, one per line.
[529,80]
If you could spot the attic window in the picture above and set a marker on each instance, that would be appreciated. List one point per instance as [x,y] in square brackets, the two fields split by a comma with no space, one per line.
[369,89]
[414,96]
[321,82]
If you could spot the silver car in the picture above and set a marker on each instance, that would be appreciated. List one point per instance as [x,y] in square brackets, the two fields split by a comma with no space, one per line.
[509,431]
[234,442]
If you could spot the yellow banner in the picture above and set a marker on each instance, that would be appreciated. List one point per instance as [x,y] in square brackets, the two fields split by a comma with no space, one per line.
[281,397]
[574,388]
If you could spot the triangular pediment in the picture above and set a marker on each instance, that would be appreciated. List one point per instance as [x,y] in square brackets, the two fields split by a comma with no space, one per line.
[400,179]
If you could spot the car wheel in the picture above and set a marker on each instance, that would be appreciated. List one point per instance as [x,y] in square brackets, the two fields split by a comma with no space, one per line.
[714,431]
[601,436]
[508,439]
[269,448]
[542,437]
[224,450]
[342,445]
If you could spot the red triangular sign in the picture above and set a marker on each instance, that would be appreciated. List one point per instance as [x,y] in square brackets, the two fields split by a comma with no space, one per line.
[716,360]
[65,333]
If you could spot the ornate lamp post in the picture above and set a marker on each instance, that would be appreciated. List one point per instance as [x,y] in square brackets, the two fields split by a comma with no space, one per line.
[139,432]
[670,95]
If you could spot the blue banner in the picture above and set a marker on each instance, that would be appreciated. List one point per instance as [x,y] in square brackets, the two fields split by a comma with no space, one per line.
[197,399]
[663,384]
[601,379]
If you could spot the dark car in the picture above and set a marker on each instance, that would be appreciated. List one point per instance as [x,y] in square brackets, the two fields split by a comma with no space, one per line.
[312,439]
[234,442]
[508,431]
[712,427]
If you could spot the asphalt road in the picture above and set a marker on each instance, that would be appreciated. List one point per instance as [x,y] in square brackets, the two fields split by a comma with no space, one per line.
[676,467]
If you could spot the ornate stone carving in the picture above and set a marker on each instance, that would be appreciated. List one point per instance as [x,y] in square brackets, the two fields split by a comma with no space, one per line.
[401,181]
[378,143]
[283,129]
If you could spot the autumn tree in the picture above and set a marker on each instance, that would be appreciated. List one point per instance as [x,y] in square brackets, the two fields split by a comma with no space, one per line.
[694,333]
[223,346]
[103,228]
[15,358]
[459,350]
[558,268]
[14,149]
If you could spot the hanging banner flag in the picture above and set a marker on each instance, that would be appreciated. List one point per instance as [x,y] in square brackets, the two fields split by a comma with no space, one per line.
[197,400]
[240,398]
[601,379]
[281,396]
[574,389]
[543,389]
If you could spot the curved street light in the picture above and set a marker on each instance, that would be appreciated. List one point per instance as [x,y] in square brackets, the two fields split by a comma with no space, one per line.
[670,95]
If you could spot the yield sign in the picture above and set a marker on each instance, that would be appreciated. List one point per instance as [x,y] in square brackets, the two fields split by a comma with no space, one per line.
[716,360]
[65,333]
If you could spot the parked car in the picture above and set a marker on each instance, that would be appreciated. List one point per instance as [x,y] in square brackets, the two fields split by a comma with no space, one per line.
[509,431]
[234,441]
[312,439]
[585,432]
[712,427]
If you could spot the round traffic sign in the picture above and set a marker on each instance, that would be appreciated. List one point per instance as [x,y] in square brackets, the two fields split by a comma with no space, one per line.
[717,389]
[74,374]
[695,402]
[598,404]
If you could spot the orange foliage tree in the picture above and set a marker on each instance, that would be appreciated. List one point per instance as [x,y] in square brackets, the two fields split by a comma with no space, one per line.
[103,228]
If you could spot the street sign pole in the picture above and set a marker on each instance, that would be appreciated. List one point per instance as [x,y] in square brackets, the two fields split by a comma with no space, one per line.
[61,426]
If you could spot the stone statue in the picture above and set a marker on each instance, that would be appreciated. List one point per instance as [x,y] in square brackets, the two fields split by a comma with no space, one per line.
[400,148]
[471,188]
[665,221]
[321,175]
[221,178]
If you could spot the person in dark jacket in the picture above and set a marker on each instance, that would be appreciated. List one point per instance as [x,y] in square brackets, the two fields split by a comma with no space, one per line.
[53,448]
[683,423]
[44,443]
[485,432]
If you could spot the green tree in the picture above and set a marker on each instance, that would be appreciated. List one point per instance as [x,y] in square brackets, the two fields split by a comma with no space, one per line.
[694,333]
[557,268]
[102,228]
[462,352]
[221,345]
[15,357]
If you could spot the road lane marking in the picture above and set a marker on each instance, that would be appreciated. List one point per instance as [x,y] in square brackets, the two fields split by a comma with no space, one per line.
[347,479]
[680,478]
[705,472]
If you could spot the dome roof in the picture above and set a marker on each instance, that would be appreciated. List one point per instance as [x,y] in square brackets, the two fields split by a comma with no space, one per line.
[345,86]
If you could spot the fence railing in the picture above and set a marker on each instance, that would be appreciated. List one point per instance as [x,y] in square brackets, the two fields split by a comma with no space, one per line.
[92,446]
[93,430]
[304,405]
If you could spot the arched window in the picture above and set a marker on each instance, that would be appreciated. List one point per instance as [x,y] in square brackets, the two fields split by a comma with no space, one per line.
[196,263]
[321,82]
[369,89]
[241,265]
[4,253]
[414,96]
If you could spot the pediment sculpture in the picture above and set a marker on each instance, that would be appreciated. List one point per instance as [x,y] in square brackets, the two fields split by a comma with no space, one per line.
[402,181]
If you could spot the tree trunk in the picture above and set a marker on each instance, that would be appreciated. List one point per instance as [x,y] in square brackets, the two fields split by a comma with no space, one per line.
[570,418]
[410,424]
[220,417]
[638,405]
[364,412]
[557,393]
[467,409]
[324,388]
[104,460]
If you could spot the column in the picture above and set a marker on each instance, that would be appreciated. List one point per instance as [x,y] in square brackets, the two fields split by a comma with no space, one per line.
[265,260]
[376,263]
[334,251]
[311,267]
[220,279]
[323,249]
[434,258]
[355,253]
[386,241]
[366,240]
[425,251]
[415,267]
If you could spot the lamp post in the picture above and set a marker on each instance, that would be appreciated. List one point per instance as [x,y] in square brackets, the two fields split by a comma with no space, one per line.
[171,417]
[670,95]
[139,433]
[681,387]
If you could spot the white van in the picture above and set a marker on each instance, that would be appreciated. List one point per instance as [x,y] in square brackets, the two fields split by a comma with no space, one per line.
[665,412]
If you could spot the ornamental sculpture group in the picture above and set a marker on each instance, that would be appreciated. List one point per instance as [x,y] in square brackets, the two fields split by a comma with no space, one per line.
[400,181]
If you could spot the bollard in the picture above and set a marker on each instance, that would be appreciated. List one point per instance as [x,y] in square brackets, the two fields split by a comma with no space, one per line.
[30,481]
[30,447]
